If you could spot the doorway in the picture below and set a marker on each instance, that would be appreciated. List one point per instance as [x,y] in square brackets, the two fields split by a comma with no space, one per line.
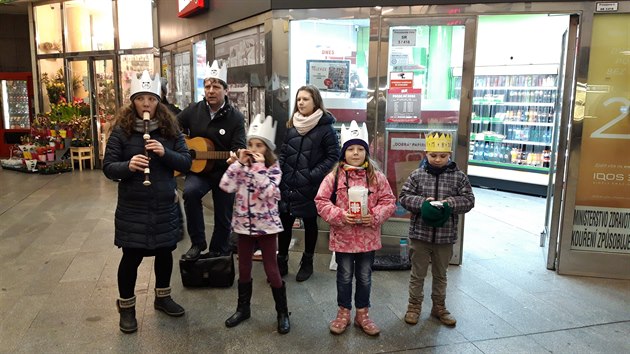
[495,82]
[98,88]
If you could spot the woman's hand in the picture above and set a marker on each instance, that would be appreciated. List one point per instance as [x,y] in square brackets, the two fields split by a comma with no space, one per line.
[139,162]
[155,146]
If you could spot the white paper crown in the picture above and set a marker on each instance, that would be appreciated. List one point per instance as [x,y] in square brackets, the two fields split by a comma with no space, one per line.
[354,133]
[263,129]
[145,84]
[216,71]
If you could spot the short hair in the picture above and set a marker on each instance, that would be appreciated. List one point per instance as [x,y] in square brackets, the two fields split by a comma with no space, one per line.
[213,80]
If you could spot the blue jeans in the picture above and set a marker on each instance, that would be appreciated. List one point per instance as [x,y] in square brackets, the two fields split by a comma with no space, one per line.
[195,188]
[359,265]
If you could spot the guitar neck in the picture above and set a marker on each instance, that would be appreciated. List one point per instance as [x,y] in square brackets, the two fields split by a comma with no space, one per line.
[211,155]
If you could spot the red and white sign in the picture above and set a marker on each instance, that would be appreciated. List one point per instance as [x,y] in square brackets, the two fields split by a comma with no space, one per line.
[401,80]
[188,8]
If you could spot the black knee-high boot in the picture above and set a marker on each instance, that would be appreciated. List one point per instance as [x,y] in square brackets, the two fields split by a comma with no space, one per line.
[243,311]
[280,297]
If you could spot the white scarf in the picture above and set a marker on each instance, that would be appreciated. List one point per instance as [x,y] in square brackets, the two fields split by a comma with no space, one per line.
[304,124]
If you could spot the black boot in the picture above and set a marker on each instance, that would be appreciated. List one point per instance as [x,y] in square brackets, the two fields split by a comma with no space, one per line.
[242,308]
[165,303]
[306,267]
[193,253]
[127,310]
[280,297]
[283,264]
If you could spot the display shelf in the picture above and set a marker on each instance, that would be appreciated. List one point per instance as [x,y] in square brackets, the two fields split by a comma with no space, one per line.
[509,166]
[526,142]
[519,104]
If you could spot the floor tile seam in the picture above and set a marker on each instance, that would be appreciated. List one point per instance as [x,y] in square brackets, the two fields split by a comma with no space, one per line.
[549,331]
[505,222]
[27,196]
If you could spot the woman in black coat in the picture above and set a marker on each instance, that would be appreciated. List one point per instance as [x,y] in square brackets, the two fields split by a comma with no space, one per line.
[309,152]
[147,217]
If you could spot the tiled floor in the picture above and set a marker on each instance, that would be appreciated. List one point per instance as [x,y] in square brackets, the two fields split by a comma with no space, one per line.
[58,287]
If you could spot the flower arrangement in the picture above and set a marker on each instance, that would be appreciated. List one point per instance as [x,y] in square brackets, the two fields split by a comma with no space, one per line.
[56,86]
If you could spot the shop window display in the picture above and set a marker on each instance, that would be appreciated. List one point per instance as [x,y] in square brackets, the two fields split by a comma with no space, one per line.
[88,26]
[333,56]
[130,65]
[135,24]
[48,28]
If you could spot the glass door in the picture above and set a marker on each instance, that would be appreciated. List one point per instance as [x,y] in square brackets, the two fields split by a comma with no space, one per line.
[421,92]
[94,97]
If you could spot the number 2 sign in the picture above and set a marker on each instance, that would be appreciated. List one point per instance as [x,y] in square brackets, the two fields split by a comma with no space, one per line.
[624,110]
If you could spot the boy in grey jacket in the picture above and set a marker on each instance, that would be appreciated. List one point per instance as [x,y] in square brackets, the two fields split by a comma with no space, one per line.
[435,194]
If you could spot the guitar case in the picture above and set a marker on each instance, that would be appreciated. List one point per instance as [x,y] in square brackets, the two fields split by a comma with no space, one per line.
[215,272]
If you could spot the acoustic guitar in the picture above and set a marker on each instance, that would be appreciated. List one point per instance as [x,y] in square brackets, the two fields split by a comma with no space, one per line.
[203,150]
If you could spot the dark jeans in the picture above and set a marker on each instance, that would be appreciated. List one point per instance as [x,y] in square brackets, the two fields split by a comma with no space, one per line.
[267,244]
[359,265]
[128,269]
[310,234]
[195,188]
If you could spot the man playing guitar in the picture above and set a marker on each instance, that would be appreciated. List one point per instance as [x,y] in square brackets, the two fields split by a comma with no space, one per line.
[223,125]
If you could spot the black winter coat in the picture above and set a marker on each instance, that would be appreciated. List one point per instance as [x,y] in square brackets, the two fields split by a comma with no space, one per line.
[147,217]
[226,130]
[305,161]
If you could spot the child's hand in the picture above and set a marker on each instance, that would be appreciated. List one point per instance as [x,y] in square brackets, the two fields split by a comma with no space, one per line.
[232,158]
[366,220]
[244,157]
[351,218]
[258,157]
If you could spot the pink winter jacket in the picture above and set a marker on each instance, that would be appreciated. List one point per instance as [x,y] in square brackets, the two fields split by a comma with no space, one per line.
[354,238]
[256,199]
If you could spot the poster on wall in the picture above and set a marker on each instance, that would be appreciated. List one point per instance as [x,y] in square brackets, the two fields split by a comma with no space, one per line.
[328,75]
[403,105]
[238,94]
[601,220]
[405,151]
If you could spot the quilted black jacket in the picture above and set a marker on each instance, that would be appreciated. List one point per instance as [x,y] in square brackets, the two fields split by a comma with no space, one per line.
[147,217]
[305,161]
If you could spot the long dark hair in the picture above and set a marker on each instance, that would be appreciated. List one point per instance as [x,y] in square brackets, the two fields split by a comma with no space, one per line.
[318,102]
[166,120]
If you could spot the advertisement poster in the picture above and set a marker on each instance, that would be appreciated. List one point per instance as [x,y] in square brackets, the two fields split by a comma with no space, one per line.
[602,212]
[405,151]
[403,105]
[328,75]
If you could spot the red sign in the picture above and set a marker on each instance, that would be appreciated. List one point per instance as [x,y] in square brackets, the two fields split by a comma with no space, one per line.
[188,8]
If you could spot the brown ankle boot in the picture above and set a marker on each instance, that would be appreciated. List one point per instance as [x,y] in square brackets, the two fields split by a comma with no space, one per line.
[440,312]
[413,313]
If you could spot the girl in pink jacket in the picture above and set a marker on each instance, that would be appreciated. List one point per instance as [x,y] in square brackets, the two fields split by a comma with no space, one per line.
[355,229]
[254,175]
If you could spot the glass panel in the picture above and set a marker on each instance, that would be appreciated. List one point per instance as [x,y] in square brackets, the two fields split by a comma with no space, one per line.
[135,24]
[14,103]
[199,50]
[417,96]
[105,100]
[333,56]
[80,81]
[130,65]
[88,25]
[53,82]
[182,79]
[48,28]
[602,202]
[246,47]
[167,73]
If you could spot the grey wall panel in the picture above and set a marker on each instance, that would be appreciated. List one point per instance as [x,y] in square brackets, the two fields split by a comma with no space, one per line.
[219,13]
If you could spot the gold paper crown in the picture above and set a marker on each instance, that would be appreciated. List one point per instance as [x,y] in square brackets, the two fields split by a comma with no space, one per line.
[439,142]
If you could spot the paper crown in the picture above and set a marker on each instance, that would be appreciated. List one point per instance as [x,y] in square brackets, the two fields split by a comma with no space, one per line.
[216,71]
[263,129]
[144,84]
[439,142]
[353,135]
